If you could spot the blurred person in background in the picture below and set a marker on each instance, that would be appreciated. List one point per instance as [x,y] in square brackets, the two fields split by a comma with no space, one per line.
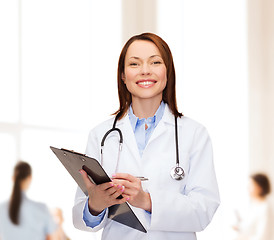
[256,225]
[58,218]
[22,218]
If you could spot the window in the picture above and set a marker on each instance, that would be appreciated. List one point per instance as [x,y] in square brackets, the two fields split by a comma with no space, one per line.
[54,53]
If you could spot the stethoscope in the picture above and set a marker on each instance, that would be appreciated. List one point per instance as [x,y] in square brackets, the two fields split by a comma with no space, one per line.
[177,172]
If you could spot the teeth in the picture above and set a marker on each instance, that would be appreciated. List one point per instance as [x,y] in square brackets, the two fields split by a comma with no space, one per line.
[146,83]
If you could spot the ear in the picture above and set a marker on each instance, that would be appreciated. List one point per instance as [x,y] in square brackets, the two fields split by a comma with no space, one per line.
[123,77]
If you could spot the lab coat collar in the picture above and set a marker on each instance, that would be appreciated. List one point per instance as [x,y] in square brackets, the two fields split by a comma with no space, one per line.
[126,128]
[168,117]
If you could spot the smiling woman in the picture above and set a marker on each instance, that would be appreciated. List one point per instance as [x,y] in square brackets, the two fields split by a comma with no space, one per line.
[169,207]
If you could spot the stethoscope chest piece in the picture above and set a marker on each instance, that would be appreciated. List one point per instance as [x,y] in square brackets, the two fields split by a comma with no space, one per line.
[177,173]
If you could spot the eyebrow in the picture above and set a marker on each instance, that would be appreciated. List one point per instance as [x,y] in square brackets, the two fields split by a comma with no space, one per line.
[149,57]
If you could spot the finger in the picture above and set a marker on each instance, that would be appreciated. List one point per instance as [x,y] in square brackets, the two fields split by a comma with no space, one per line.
[124,176]
[118,192]
[120,201]
[121,182]
[126,196]
[118,181]
[128,192]
[128,185]
[112,190]
[86,179]
[105,186]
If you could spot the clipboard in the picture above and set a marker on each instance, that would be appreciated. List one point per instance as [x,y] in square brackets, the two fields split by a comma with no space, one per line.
[74,161]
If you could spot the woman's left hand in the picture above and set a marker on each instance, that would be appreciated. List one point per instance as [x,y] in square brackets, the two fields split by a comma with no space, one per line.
[133,190]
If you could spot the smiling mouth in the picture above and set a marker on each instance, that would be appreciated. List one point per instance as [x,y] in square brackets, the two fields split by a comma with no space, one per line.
[145,83]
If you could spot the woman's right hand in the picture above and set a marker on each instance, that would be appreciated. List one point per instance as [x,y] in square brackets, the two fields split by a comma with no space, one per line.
[103,195]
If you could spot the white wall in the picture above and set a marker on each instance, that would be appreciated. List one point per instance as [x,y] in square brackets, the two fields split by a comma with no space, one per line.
[210,54]
[261,87]
[261,75]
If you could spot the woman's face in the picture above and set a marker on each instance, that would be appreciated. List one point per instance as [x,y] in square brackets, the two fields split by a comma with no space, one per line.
[254,189]
[145,71]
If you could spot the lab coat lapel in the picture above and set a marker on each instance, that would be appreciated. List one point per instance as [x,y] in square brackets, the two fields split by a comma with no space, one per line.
[129,138]
[161,128]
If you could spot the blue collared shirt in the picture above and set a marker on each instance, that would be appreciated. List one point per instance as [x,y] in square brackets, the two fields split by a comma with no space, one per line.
[142,136]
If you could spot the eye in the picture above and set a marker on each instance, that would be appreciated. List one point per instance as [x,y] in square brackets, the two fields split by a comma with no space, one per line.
[133,64]
[156,62]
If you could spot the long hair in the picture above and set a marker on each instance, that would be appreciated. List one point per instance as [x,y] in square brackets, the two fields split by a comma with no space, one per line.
[22,170]
[169,93]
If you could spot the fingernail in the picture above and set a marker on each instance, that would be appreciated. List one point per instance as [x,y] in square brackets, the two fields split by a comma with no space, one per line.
[80,171]
[113,175]
[123,188]
[127,198]
[119,186]
[111,184]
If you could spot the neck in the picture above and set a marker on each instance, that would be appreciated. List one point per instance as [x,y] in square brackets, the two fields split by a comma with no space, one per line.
[145,108]
[259,199]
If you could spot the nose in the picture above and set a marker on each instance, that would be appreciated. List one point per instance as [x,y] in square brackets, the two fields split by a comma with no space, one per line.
[145,69]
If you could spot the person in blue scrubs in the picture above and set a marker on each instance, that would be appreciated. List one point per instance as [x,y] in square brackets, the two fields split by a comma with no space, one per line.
[22,218]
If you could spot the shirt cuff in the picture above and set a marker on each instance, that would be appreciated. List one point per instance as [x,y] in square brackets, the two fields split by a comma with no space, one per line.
[91,220]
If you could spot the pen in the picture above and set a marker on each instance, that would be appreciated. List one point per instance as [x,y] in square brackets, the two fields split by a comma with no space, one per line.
[142,178]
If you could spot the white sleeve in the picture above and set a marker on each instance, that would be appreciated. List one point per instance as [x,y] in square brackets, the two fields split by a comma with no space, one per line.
[193,209]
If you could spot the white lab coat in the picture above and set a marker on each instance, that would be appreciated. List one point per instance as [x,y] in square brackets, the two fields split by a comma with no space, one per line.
[179,208]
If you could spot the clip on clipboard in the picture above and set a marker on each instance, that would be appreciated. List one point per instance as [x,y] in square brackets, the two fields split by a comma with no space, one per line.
[74,161]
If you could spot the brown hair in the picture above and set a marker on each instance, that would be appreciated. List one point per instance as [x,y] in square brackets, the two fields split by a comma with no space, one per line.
[22,170]
[169,93]
[263,182]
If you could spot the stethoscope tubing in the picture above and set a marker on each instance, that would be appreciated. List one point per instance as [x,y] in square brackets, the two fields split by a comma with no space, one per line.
[176,173]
